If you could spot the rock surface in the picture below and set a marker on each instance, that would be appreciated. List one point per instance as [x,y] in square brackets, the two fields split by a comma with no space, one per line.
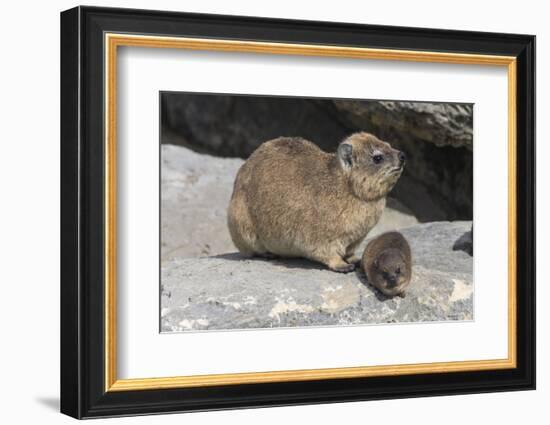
[195,193]
[443,124]
[437,137]
[229,292]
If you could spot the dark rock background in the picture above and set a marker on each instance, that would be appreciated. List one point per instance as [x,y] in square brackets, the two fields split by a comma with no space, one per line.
[437,137]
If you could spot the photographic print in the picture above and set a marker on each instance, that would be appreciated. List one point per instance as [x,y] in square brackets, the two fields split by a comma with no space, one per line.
[256,184]
[282,212]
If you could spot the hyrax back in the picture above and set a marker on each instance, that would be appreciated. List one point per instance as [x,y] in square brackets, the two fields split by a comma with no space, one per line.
[291,199]
[387,262]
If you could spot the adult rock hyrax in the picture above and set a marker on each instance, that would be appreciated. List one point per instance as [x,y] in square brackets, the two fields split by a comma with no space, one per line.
[387,262]
[292,199]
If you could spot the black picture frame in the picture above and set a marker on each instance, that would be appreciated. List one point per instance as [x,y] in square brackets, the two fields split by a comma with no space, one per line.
[83,392]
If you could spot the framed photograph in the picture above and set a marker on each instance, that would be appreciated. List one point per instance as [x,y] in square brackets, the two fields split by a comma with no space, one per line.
[261,212]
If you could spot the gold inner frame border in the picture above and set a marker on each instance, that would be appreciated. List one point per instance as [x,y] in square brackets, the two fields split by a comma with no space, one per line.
[111,43]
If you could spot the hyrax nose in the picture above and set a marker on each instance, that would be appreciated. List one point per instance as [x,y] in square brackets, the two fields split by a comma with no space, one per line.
[401,156]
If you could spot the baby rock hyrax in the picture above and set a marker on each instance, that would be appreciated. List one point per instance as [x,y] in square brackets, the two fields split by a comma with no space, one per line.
[387,263]
[292,199]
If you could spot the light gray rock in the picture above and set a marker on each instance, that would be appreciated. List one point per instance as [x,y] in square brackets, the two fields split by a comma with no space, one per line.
[395,216]
[229,292]
[195,193]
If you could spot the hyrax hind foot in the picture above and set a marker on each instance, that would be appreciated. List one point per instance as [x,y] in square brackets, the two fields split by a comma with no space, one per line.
[337,264]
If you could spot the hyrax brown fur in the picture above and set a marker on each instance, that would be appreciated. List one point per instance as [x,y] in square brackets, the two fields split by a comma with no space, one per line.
[292,199]
[387,262]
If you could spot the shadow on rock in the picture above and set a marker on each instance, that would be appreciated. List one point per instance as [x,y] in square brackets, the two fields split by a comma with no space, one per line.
[465,243]
[232,256]
[289,263]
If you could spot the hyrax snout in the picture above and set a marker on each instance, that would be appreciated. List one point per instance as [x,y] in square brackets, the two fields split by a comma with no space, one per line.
[292,199]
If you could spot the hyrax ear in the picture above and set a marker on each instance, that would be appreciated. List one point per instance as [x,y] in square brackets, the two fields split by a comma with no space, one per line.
[345,155]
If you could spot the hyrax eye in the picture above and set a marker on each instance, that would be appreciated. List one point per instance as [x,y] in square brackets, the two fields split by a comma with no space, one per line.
[377,159]
[398,270]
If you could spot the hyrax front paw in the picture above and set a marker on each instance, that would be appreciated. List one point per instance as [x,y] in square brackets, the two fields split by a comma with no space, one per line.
[344,269]
[340,266]
[353,259]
